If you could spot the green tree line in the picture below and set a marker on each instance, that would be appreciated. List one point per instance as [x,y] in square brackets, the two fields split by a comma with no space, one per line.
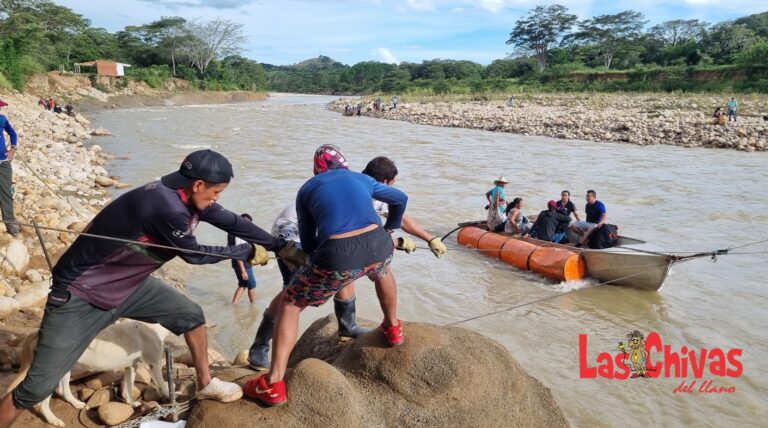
[38,35]
[552,50]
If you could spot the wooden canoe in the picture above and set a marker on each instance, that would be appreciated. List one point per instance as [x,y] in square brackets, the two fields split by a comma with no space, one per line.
[621,265]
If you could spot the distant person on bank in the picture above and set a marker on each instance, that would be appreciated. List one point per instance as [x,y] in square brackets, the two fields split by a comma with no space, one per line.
[6,173]
[732,105]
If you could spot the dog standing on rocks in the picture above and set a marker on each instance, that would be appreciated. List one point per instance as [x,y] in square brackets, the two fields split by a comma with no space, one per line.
[120,346]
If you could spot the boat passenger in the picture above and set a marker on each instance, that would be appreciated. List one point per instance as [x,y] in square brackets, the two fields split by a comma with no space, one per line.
[550,224]
[596,217]
[497,204]
[516,222]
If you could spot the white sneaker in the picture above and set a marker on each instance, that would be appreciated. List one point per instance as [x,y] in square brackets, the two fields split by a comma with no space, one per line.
[220,391]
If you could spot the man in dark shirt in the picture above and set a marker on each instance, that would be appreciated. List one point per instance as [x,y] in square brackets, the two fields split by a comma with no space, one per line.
[551,224]
[97,281]
[596,217]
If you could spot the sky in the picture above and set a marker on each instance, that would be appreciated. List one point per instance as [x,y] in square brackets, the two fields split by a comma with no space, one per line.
[283,32]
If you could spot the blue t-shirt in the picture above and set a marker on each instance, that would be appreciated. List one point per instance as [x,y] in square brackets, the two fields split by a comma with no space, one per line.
[6,126]
[595,212]
[502,197]
[732,105]
[339,201]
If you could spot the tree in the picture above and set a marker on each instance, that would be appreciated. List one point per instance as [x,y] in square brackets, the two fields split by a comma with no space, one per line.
[212,39]
[678,31]
[726,39]
[610,33]
[540,30]
[167,33]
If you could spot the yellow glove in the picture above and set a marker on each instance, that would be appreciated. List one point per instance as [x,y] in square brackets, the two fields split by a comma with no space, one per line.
[260,256]
[437,246]
[292,256]
[405,244]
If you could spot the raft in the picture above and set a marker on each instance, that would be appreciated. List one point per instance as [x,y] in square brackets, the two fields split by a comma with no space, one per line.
[623,265]
[546,260]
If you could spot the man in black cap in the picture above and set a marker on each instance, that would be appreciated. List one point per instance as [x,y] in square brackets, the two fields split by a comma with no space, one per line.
[97,281]
[6,174]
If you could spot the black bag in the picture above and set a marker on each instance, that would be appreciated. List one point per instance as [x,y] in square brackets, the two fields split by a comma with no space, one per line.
[606,236]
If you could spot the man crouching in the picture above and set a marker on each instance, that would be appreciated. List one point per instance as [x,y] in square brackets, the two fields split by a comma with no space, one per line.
[344,240]
[97,281]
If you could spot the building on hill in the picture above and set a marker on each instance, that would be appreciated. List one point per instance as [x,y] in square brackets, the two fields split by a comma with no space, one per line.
[104,67]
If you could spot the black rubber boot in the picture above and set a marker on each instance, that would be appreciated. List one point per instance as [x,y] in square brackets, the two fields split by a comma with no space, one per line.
[258,355]
[345,314]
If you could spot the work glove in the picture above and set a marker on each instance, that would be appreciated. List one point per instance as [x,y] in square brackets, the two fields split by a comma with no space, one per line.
[437,246]
[260,256]
[293,256]
[406,244]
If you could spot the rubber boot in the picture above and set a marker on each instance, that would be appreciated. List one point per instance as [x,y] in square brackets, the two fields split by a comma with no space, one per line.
[258,355]
[345,314]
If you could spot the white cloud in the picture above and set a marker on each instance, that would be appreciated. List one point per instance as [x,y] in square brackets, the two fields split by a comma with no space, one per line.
[420,5]
[387,56]
[493,6]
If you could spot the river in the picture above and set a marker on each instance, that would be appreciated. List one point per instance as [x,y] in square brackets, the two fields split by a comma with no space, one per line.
[679,199]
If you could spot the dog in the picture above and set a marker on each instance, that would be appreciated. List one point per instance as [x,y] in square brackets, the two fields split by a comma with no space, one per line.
[120,346]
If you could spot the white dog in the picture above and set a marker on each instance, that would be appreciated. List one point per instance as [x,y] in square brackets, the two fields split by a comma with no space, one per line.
[120,346]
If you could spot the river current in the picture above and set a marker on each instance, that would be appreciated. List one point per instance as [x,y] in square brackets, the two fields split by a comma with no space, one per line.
[678,199]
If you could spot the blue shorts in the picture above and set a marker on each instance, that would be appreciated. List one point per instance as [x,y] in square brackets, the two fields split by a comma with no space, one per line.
[250,283]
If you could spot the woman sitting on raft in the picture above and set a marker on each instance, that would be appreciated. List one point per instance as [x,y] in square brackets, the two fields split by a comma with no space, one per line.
[516,222]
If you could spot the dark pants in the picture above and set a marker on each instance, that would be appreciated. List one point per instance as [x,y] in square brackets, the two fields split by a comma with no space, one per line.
[67,329]
[6,194]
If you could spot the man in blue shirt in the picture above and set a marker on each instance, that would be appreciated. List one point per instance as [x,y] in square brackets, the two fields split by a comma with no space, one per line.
[732,109]
[344,240]
[6,173]
[596,217]
[497,203]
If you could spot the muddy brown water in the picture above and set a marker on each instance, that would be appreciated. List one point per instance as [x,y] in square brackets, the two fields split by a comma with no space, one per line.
[678,199]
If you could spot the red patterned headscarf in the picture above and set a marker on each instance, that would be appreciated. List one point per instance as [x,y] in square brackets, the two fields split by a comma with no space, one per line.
[328,157]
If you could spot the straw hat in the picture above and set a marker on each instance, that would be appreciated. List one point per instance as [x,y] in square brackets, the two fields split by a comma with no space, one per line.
[500,180]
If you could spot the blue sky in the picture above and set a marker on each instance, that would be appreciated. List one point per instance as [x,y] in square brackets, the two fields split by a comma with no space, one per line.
[288,31]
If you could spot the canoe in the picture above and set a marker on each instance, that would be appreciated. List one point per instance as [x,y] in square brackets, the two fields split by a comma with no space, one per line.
[620,265]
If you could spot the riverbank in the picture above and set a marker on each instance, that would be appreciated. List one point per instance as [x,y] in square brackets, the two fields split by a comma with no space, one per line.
[642,119]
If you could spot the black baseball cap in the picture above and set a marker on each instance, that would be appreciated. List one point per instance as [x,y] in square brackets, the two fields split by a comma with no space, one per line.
[206,165]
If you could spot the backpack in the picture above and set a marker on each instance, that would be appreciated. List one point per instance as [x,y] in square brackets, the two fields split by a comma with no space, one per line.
[606,236]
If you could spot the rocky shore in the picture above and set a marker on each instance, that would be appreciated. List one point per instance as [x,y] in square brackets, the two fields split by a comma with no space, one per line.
[643,119]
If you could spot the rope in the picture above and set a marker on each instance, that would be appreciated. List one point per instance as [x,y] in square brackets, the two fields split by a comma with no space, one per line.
[111,238]
[602,284]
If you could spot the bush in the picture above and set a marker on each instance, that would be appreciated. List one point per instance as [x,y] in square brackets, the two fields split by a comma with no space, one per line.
[155,75]
[756,54]
[4,82]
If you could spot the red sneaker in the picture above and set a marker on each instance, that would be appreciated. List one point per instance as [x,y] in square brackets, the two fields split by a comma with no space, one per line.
[394,334]
[261,391]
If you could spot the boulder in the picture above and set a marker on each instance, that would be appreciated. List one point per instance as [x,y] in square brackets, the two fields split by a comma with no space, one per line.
[34,296]
[104,379]
[115,413]
[241,359]
[104,181]
[14,256]
[8,305]
[81,119]
[440,376]
[101,132]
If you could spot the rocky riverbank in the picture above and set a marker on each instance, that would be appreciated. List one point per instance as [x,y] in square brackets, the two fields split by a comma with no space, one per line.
[643,119]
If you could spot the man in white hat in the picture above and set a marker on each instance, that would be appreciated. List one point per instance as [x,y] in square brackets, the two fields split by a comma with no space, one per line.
[497,203]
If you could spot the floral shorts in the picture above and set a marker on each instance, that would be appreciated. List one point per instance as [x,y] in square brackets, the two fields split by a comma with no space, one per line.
[330,269]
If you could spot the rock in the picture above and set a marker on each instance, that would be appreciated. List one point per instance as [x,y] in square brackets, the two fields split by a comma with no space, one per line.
[85,393]
[77,226]
[151,393]
[104,181]
[115,413]
[6,289]
[143,375]
[101,132]
[120,185]
[14,256]
[33,275]
[8,305]
[104,379]
[440,376]
[46,203]
[80,119]
[241,359]
[35,296]
[98,398]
